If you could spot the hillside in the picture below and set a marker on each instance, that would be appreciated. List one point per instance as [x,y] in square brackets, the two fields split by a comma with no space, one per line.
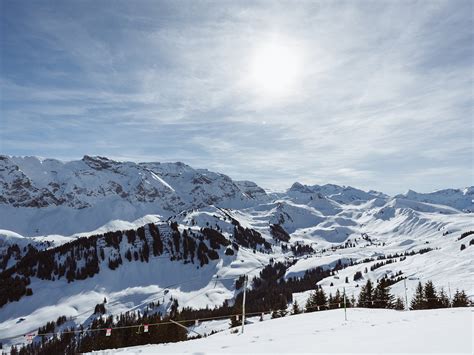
[444,331]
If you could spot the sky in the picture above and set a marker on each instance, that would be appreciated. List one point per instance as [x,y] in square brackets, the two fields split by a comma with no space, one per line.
[372,94]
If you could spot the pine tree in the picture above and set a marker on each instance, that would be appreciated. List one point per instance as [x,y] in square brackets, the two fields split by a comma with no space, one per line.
[431,298]
[382,296]
[418,301]
[296,308]
[330,301]
[443,299]
[399,305]
[460,299]
[99,308]
[366,295]
[353,301]
[311,303]
[337,300]
[321,299]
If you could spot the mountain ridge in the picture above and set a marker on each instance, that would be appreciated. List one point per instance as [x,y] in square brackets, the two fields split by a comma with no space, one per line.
[40,196]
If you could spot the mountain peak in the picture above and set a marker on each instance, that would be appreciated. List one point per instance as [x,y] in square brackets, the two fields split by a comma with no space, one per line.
[298,187]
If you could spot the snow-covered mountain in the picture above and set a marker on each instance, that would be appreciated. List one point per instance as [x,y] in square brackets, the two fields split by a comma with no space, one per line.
[46,196]
[72,233]
[341,194]
[460,199]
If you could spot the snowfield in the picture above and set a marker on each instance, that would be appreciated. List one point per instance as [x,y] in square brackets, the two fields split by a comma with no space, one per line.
[366,331]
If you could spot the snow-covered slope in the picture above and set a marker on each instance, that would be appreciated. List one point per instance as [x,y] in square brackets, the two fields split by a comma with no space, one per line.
[366,331]
[354,234]
[46,205]
[460,199]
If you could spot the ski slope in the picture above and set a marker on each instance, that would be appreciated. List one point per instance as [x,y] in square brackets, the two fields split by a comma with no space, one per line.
[366,331]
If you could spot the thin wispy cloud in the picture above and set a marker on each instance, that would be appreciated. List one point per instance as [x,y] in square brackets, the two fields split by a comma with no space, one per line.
[383,96]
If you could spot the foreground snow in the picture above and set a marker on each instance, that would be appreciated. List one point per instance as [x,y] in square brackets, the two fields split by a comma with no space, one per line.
[365,331]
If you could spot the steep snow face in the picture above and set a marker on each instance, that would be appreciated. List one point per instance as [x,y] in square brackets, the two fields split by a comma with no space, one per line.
[460,199]
[252,190]
[44,196]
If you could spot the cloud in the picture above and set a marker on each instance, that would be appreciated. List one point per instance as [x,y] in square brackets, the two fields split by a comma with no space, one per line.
[385,98]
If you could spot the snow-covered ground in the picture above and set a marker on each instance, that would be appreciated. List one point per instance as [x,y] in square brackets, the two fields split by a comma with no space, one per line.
[366,331]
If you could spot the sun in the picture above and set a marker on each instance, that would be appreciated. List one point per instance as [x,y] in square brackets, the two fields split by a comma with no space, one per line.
[275,69]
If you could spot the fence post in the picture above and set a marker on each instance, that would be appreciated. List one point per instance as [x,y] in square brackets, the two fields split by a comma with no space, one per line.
[449,290]
[406,297]
[243,304]
[345,307]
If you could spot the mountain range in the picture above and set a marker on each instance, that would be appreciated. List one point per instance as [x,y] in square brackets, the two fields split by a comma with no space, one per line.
[72,233]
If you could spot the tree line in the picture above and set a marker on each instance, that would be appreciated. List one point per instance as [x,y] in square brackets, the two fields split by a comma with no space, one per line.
[270,291]
[84,257]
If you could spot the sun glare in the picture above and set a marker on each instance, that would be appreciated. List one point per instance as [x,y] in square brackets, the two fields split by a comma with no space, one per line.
[275,70]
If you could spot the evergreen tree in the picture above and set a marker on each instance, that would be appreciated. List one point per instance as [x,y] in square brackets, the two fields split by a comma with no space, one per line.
[99,308]
[353,301]
[330,301]
[431,298]
[317,301]
[296,308]
[321,299]
[443,299]
[460,299]
[418,301]
[311,303]
[366,295]
[358,276]
[399,305]
[337,300]
[382,296]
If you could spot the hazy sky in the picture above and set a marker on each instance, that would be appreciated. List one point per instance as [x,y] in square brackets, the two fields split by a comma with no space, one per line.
[374,94]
